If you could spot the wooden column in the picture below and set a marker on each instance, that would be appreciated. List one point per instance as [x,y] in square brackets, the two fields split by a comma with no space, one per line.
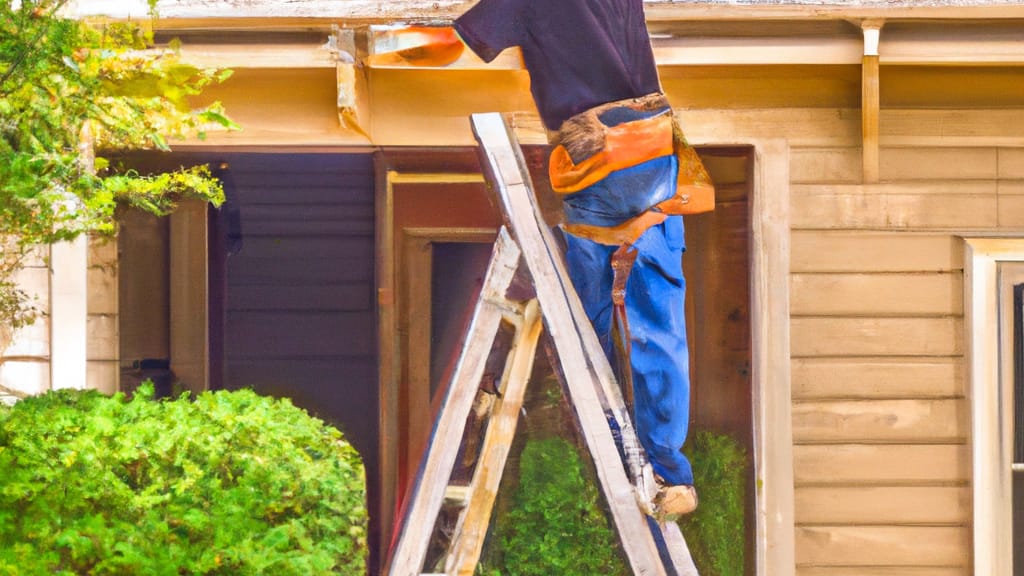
[69,263]
[189,310]
[870,99]
[68,313]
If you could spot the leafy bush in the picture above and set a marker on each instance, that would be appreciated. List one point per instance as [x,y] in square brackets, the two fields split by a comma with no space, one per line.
[556,524]
[716,532]
[227,483]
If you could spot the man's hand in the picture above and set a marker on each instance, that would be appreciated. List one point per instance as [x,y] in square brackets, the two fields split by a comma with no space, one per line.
[430,46]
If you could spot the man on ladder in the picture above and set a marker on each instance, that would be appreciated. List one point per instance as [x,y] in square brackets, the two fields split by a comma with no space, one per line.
[626,177]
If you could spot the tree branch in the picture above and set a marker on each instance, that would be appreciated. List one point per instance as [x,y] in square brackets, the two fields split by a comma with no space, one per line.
[9,392]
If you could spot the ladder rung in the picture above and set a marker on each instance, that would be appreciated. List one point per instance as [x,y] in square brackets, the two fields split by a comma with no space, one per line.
[508,308]
[457,495]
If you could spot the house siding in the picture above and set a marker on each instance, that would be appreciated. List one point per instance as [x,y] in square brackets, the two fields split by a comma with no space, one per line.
[880,419]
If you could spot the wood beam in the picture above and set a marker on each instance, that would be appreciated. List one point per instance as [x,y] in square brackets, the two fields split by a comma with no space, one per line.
[968,43]
[724,44]
[244,55]
[870,100]
[754,50]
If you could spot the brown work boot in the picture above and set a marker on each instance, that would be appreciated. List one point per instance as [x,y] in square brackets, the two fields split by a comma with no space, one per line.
[675,501]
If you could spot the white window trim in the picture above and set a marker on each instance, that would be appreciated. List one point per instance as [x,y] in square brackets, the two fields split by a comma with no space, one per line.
[991,406]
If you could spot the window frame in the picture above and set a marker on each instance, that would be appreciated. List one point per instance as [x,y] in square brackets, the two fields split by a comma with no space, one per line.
[990,389]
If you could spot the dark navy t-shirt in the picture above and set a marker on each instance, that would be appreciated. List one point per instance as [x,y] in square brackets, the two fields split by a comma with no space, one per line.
[580,53]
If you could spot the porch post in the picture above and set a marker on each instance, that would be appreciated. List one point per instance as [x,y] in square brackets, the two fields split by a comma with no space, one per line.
[68,313]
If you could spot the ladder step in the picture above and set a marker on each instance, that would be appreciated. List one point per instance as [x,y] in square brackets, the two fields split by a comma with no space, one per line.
[458,495]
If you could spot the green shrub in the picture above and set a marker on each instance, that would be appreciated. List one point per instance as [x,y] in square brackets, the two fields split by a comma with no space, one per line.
[227,483]
[556,524]
[716,532]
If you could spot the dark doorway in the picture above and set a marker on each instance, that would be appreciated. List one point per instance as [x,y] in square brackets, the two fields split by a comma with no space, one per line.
[434,213]
[299,312]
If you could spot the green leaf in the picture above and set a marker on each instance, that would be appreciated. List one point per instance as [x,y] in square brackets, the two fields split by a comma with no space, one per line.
[59,74]
[159,141]
[213,116]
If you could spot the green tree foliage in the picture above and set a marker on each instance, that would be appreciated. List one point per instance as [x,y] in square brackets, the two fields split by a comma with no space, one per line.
[228,483]
[716,532]
[556,524]
[65,81]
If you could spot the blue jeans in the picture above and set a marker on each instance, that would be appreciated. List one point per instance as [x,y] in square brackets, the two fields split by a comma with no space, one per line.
[660,358]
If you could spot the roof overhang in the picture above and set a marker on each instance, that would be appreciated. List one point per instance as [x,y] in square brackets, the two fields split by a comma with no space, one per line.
[306,13]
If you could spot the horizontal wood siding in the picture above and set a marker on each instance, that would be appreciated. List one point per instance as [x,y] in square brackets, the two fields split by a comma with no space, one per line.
[883,545]
[881,424]
[885,294]
[876,377]
[860,570]
[881,421]
[880,464]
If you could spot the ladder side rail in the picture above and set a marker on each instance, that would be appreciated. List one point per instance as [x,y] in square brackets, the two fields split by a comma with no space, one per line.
[678,551]
[428,492]
[471,528]
[668,532]
[502,160]
[611,393]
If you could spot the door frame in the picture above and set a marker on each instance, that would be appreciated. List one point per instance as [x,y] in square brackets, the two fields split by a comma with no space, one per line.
[388,299]
[770,346]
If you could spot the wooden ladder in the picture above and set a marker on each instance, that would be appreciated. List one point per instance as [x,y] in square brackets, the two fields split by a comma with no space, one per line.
[526,247]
